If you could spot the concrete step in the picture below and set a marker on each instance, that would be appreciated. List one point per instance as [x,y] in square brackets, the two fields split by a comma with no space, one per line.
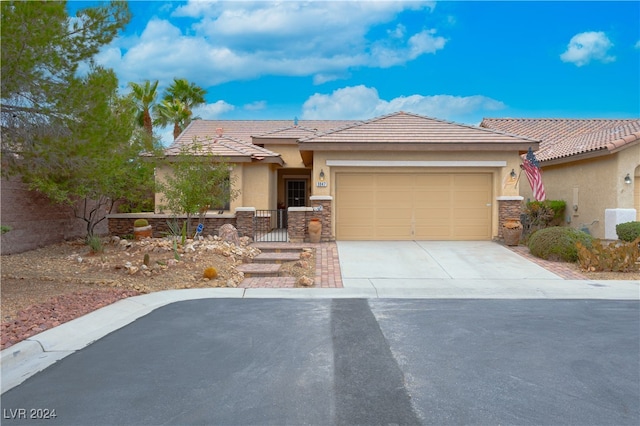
[280,247]
[252,270]
[274,257]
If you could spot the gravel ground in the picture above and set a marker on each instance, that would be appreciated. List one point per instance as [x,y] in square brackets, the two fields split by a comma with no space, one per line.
[46,287]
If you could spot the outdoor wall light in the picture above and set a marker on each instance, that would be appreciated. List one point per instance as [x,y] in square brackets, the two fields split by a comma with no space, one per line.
[321,175]
[627,179]
[512,174]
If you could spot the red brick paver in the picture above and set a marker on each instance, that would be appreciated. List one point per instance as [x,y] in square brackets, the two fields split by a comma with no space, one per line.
[558,268]
[327,275]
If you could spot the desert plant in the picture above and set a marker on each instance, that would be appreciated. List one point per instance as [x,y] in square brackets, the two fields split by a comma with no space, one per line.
[95,244]
[616,257]
[210,273]
[139,223]
[542,214]
[146,260]
[558,243]
[628,231]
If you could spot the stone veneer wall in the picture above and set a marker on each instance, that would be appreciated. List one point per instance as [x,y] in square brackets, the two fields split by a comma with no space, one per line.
[244,221]
[122,224]
[508,207]
[299,217]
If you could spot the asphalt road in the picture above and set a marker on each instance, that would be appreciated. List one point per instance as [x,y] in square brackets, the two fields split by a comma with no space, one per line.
[350,361]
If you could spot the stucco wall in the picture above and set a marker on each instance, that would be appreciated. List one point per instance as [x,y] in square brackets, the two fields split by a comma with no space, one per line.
[258,186]
[35,221]
[289,153]
[592,186]
[238,176]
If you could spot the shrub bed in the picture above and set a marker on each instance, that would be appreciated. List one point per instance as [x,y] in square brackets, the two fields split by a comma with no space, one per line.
[628,231]
[558,243]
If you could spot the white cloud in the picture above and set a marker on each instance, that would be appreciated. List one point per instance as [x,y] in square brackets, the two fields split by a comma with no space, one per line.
[211,111]
[361,102]
[588,46]
[230,41]
[255,106]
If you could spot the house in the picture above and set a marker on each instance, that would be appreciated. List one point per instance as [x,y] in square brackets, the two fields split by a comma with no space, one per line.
[591,164]
[400,176]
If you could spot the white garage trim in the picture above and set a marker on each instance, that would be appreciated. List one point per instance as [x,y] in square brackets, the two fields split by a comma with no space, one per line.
[382,163]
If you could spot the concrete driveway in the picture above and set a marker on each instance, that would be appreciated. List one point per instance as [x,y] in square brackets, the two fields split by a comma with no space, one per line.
[458,269]
[420,260]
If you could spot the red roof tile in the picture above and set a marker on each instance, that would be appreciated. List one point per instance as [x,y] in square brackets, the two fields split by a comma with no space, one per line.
[407,128]
[564,138]
[233,138]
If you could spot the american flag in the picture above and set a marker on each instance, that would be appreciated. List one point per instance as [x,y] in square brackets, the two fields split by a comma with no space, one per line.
[531,167]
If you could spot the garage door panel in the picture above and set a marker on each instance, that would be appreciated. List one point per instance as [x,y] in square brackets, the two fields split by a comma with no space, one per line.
[406,206]
[391,214]
[433,180]
[394,232]
[356,216]
[399,199]
[394,181]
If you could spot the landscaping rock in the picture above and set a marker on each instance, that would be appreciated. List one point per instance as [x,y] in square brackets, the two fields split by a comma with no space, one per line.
[229,233]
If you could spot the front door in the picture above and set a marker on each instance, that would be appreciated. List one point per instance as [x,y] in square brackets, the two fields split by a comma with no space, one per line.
[296,193]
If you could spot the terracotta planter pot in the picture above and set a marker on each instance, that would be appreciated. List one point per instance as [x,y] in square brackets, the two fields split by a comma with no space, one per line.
[142,232]
[512,231]
[315,230]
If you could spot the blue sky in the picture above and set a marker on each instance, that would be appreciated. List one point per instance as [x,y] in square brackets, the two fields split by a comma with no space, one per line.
[453,60]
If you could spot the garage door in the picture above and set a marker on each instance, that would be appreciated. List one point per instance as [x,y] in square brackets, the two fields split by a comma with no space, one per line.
[425,206]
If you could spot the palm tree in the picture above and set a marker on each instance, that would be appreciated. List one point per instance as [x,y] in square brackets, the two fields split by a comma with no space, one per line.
[144,95]
[172,111]
[190,94]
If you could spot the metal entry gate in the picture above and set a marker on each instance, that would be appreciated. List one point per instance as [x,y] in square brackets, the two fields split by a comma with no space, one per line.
[270,226]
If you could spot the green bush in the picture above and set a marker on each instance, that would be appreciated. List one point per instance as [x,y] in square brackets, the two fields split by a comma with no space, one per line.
[139,223]
[558,243]
[628,231]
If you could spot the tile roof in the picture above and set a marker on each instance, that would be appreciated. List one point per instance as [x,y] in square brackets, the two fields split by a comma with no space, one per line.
[565,138]
[412,129]
[234,138]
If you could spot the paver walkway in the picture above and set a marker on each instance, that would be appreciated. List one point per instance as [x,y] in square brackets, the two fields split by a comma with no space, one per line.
[558,268]
[327,274]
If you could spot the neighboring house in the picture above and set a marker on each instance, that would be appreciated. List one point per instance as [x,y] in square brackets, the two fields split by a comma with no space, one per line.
[397,177]
[591,164]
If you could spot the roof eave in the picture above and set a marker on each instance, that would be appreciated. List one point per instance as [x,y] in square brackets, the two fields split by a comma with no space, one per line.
[611,148]
[216,158]
[272,160]
[346,146]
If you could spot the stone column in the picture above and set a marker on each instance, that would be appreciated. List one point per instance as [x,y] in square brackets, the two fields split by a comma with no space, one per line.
[297,221]
[244,221]
[322,208]
[508,206]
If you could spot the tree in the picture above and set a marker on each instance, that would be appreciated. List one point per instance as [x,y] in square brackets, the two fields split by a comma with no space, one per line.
[70,137]
[177,105]
[198,181]
[42,49]
[174,111]
[144,95]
